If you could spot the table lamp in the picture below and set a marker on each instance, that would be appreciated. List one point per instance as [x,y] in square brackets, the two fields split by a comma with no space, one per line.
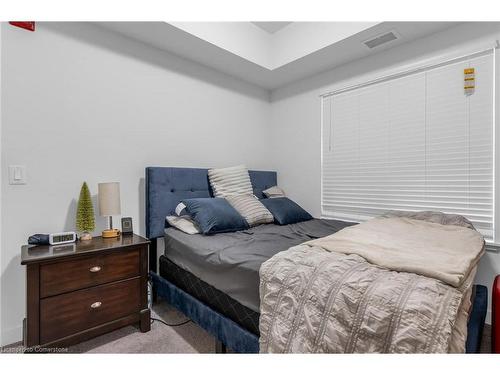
[109,205]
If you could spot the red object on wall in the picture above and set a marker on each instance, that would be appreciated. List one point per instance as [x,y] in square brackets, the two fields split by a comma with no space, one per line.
[495,318]
[24,25]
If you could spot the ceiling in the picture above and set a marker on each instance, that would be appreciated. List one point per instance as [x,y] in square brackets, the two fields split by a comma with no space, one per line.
[272,60]
[271,27]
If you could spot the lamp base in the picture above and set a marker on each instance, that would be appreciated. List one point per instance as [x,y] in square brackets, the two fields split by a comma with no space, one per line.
[110,233]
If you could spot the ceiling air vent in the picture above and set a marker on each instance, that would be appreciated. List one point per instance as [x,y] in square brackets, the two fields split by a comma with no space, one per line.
[381,39]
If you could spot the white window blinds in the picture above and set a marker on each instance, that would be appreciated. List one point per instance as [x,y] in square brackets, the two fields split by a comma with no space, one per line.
[411,143]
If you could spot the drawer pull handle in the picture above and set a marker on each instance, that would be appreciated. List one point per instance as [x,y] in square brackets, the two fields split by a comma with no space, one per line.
[96,305]
[95,269]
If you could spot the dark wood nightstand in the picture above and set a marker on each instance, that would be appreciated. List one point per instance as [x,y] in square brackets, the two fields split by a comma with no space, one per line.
[81,290]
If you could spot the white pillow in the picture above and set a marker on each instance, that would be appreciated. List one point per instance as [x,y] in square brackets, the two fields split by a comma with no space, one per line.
[183,223]
[253,211]
[274,192]
[230,181]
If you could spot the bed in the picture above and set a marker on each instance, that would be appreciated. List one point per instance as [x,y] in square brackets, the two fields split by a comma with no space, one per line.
[214,279]
[223,270]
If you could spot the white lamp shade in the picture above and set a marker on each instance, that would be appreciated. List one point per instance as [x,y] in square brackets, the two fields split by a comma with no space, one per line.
[109,198]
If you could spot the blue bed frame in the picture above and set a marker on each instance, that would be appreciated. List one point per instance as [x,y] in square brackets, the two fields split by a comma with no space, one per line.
[165,187]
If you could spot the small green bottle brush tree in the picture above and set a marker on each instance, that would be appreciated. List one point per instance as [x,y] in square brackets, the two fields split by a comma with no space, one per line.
[85,221]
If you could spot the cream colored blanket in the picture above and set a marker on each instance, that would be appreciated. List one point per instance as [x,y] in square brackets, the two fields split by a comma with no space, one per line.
[444,252]
[393,285]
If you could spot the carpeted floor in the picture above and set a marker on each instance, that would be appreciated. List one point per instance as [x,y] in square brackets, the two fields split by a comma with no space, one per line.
[486,340]
[187,338]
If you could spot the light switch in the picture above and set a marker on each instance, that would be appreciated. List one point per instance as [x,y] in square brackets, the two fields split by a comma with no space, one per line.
[17,174]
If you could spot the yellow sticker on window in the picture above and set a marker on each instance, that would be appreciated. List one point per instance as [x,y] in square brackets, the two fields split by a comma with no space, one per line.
[469,81]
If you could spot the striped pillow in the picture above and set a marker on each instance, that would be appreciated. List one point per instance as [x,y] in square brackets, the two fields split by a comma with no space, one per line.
[251,209]
[230,181]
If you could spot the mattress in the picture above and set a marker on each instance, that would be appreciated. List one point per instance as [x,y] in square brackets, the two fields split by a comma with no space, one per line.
[230,262]
[210,296]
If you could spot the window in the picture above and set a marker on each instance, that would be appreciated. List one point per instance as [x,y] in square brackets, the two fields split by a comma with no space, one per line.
[415,142]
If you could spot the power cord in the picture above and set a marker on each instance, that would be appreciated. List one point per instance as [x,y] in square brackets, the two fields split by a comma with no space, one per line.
[160,320]
[169,324]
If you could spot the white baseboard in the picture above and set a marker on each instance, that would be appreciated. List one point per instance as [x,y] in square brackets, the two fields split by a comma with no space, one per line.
[12,335]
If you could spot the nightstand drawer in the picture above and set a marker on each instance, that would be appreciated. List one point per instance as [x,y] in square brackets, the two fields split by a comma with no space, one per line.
[61,277]
[69,313]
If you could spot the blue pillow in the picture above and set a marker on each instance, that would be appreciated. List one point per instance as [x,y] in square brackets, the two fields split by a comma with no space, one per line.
[285,211]
[214,215]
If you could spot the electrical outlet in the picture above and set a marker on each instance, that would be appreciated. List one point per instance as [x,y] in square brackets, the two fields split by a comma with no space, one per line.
[17,175]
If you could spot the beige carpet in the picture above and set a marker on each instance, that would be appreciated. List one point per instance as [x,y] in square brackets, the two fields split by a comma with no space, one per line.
[188,338]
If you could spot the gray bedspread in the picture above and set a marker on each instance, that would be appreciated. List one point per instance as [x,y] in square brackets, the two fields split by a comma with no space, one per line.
[388,285]
[231,261]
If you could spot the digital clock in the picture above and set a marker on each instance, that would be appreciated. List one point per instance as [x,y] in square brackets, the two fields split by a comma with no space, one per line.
[60,238]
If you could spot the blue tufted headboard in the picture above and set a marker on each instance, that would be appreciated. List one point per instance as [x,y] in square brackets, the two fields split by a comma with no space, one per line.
[166,186]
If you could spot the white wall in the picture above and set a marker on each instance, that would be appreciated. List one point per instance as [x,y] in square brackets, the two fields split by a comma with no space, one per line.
[83,104]
[295,113]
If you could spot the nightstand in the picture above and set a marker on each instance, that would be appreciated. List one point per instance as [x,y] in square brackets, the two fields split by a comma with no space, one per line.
[81,290]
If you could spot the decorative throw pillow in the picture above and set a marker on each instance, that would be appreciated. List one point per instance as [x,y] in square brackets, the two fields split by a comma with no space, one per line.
[274,192]
[214,215]
[285,211]
[184,224]
[230,181]
[251,209]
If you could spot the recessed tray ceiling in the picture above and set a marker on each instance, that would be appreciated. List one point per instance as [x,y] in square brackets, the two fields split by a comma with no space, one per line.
[272,60]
